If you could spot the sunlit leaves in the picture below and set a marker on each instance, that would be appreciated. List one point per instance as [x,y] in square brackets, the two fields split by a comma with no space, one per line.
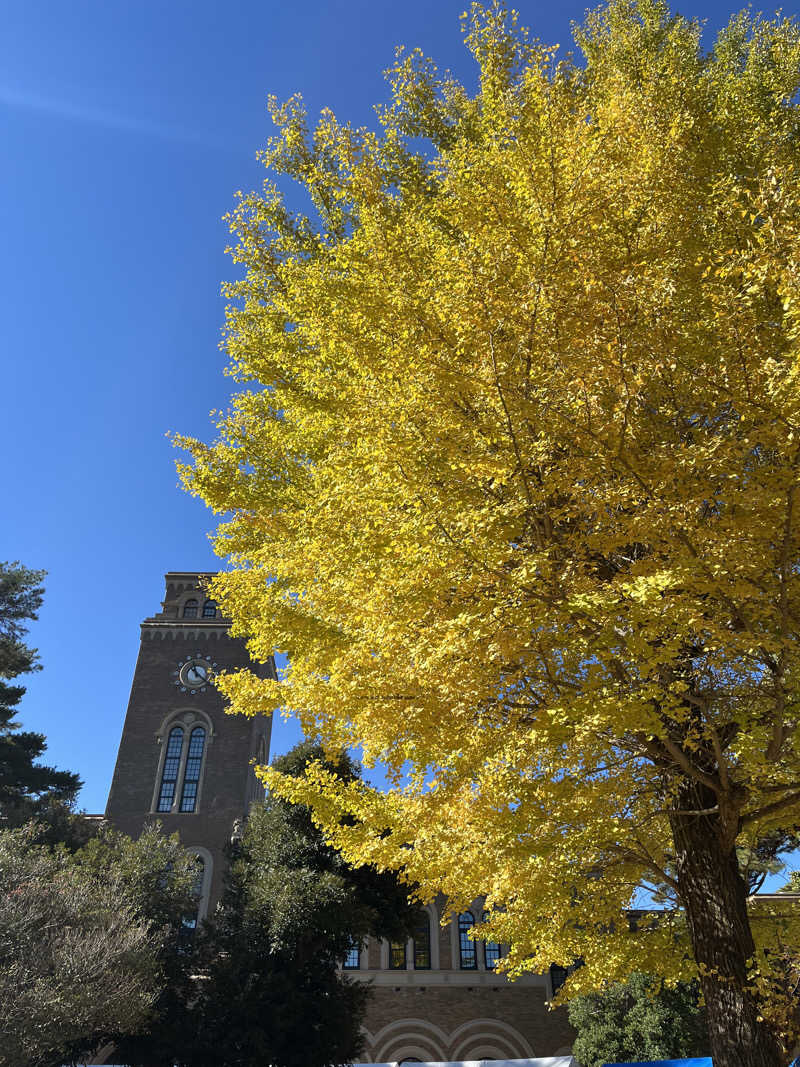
[515,488]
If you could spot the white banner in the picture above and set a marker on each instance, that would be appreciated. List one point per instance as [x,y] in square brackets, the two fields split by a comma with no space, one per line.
[547,1061]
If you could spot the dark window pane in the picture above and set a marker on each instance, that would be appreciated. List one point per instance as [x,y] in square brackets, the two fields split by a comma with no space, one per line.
[493,954]
[175,742]
[188,796]
[210,609]
[397,955]
[166,795]
[192,770]
[191,775]
[197,741]
[467,948]
[169,772]
[190,609]
[558,976]
[422,944]
[171,765]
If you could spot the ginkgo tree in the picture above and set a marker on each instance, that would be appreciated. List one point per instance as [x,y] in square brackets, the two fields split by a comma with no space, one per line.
[512,481]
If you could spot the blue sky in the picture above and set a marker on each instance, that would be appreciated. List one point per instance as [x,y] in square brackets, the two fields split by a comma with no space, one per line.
[127,128]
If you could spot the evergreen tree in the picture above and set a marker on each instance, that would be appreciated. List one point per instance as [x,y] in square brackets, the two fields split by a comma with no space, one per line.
[85,940]
[270,988]
[641,1019]
[27,788]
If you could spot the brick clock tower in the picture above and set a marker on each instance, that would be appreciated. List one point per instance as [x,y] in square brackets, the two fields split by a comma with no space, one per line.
[182,760]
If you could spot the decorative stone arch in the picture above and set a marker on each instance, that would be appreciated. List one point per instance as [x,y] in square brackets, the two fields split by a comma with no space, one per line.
[467,1040]
[489,1052]
[411,1054]
[409,1037]
[187,718]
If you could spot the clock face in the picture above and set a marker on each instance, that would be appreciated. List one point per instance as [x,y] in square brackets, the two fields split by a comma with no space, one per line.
[194,674]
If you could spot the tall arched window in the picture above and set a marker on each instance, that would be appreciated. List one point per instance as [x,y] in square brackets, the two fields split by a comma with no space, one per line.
[422,943]
[169,773]
[189,922]
[194,763]
[491,949]
[190,609]
[210,609]
[468,953]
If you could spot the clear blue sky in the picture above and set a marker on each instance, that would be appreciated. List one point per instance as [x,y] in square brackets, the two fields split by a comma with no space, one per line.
[127,126]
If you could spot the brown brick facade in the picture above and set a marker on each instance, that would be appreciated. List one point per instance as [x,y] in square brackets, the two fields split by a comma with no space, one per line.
[449,1012]
[435,1023]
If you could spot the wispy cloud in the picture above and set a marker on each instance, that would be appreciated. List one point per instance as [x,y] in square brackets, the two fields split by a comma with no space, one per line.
[21,100]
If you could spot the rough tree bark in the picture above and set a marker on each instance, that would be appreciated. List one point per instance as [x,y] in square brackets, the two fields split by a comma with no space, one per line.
[714,895]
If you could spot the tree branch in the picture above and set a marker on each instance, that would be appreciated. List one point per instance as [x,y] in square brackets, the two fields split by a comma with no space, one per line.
[769,809]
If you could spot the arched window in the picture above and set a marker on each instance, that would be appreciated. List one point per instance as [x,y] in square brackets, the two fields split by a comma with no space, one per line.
[189,922]
[467,948]
[169,773]
[210,609]
[194,763]
[190,609]
[422,943]
[491,949]
[397,955]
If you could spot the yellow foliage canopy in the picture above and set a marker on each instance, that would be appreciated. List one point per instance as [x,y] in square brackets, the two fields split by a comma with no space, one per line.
[514,484]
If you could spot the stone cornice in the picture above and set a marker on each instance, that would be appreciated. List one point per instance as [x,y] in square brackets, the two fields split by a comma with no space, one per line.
[152,628]
[415,979]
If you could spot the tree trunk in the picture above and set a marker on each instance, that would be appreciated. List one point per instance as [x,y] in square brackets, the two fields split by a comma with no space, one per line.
[714,896]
